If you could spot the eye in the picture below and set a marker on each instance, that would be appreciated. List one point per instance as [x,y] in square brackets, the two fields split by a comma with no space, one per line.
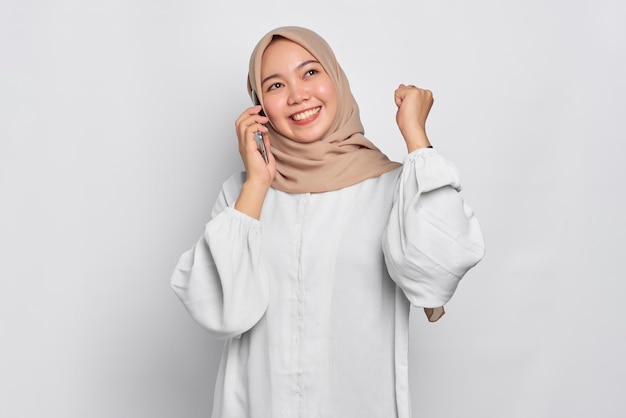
[311,72]
[274,86]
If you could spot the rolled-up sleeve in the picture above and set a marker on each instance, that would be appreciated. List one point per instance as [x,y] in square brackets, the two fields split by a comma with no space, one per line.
[433,237]
[221,279]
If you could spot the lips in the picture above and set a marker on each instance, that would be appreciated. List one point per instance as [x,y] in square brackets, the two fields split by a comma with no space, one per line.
[305,115]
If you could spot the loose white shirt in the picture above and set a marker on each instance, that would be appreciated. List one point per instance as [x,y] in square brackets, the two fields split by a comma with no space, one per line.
[313,299]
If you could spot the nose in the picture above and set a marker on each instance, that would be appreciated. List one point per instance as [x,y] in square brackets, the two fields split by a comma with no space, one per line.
[298,93]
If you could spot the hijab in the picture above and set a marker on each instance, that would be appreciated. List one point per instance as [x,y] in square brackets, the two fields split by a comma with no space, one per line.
[344,156]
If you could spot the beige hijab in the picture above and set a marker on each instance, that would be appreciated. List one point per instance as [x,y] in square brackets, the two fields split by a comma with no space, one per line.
[344,157]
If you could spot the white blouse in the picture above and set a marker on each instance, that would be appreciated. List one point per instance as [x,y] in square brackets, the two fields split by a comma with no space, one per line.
[313,299]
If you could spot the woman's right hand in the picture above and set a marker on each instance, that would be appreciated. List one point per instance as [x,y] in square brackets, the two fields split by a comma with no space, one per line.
[259,175]
[248,123]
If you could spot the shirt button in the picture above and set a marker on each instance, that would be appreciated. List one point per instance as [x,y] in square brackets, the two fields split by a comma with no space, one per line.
[296,339]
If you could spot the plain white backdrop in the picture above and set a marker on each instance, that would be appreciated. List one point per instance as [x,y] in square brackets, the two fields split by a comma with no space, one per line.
[117,130]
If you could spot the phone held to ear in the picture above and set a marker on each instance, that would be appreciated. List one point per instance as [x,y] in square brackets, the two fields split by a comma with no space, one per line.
[258,136]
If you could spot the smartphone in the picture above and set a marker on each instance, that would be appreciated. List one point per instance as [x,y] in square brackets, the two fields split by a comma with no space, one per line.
[258,136]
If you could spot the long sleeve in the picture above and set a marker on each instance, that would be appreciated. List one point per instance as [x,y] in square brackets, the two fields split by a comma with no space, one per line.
[221,279]
[432,238]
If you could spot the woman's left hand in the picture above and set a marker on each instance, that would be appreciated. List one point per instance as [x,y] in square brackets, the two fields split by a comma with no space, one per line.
[413,107]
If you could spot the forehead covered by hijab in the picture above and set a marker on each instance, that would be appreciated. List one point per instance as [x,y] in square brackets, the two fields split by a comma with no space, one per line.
[315,45]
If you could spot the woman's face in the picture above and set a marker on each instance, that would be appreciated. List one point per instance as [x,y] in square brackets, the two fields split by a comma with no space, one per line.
[299,97]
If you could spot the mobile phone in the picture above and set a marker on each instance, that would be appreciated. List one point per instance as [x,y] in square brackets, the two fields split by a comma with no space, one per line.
[258,136]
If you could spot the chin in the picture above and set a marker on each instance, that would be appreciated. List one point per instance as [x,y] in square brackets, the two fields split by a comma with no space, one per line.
[308,140]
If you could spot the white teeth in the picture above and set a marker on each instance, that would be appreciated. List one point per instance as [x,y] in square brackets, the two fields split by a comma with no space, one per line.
[305,115]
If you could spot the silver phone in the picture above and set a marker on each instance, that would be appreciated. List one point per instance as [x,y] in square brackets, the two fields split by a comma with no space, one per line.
[258,136]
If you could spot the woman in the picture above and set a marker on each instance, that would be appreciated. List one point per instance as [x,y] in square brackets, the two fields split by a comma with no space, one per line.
[310,262]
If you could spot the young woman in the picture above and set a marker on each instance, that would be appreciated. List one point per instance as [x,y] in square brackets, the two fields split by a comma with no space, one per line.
[309,263]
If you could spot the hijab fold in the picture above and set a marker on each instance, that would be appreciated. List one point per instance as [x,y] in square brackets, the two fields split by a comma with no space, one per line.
[344,157]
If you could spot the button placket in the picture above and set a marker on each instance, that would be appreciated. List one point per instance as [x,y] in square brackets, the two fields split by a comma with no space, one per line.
[299,302]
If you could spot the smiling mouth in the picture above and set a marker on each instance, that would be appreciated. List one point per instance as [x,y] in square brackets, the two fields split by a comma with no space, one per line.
[306,114]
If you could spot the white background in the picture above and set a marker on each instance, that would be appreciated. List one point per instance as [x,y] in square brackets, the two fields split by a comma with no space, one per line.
[117,129]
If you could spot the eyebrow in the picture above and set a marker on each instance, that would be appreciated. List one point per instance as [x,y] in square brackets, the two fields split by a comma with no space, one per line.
[302,64]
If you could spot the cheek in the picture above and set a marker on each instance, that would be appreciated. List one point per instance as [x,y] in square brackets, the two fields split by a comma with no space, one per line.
[272,108]
[328,92]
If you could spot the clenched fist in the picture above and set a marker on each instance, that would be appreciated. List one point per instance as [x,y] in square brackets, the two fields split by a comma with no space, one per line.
[413,107]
